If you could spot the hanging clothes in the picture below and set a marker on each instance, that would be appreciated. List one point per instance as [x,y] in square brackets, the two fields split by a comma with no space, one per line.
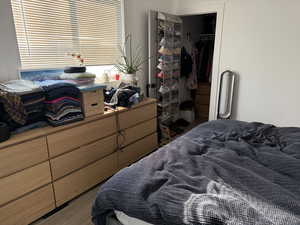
[204,59]
[192,81]
[186,63]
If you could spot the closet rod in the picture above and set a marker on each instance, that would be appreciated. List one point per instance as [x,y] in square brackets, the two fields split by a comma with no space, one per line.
[207,34]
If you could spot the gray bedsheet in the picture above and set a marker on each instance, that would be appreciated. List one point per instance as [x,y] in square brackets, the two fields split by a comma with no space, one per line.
[222,172]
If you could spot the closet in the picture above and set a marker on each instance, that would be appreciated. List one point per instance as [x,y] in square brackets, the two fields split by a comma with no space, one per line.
[181,51]
[199,38]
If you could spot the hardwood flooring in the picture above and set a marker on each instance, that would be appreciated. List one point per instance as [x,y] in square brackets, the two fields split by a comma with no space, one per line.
[78,212]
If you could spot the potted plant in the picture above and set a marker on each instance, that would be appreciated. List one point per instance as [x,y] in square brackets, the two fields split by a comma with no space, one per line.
[131,63]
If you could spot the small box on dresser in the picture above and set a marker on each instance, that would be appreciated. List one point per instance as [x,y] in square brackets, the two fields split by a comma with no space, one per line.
[92,100]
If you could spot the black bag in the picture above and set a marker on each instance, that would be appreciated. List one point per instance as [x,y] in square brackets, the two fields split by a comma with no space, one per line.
[4,132]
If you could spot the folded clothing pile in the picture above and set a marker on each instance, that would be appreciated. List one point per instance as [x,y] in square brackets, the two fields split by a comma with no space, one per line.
[79,78]
[63,104]
[21,103]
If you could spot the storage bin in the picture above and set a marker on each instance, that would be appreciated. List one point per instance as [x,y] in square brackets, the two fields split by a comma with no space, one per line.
[92,102]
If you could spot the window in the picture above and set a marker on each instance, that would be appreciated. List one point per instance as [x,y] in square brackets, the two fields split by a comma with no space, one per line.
[48,30]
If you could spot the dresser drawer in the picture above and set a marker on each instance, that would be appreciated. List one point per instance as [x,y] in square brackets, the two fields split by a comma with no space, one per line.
[138,132]
[16,185]
[80,181]
[134,152]
[21,156]
[74,160]
[72,138]
[135,116]
[29,208]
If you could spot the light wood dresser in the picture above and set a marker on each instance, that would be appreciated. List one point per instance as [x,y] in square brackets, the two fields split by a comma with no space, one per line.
[42,169]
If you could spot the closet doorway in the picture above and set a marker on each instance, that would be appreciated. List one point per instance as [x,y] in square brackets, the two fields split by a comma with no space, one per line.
[199,32]
[186,92]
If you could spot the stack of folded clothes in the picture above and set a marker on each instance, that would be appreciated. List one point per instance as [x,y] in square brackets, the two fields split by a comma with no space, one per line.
[21,103]
[79,78]
[63,104]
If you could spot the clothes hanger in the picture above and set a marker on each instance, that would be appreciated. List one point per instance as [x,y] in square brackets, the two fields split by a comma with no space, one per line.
[188,36]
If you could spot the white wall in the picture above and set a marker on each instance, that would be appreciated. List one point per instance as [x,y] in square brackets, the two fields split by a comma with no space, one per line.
[9,55]
[136,23]
[261,43]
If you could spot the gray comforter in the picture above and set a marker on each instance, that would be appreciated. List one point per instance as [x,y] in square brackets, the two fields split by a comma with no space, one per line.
[222,172]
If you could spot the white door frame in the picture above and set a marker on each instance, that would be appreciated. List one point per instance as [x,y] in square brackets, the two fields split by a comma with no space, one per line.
[206,8]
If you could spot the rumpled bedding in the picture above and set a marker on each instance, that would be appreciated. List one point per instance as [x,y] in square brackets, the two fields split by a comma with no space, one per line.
[222,172]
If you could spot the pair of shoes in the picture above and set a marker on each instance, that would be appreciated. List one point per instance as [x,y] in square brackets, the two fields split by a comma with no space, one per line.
[163,89]
[163,66]
[161,75]
[163,42]
[177,51]
[165,51]
[177,33]
[177,58]
[164,75]
[165,58]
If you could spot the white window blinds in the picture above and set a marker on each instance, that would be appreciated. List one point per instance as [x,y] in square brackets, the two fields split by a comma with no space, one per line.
[48,30]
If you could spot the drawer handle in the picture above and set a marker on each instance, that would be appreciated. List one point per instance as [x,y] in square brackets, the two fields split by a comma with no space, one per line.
[95,104]
[122,134]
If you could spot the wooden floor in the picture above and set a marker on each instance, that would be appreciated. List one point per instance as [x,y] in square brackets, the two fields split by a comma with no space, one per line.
[78,212]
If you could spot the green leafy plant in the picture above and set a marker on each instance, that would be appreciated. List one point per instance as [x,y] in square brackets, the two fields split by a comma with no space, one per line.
[132,62]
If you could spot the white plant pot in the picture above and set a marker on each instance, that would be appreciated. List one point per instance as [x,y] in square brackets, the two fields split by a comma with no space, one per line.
[130,79]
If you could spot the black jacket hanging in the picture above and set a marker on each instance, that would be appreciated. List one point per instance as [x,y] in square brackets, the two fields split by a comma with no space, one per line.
[186,63]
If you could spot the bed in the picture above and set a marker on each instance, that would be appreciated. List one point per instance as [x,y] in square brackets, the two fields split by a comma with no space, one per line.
[221,172]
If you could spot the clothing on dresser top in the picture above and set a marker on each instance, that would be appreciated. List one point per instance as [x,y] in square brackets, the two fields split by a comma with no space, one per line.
[33,97]
[62,114]
[35,125]
[63,104]
[56,107]
[20,87]
[33,118]
[70,118]
[22,103]
[63,99]
[13,107]
[124,96]
[60,90]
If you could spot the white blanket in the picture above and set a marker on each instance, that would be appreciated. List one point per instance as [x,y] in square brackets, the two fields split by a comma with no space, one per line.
[127,220]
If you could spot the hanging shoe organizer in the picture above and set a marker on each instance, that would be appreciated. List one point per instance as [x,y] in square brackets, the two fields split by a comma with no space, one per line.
[169,42]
